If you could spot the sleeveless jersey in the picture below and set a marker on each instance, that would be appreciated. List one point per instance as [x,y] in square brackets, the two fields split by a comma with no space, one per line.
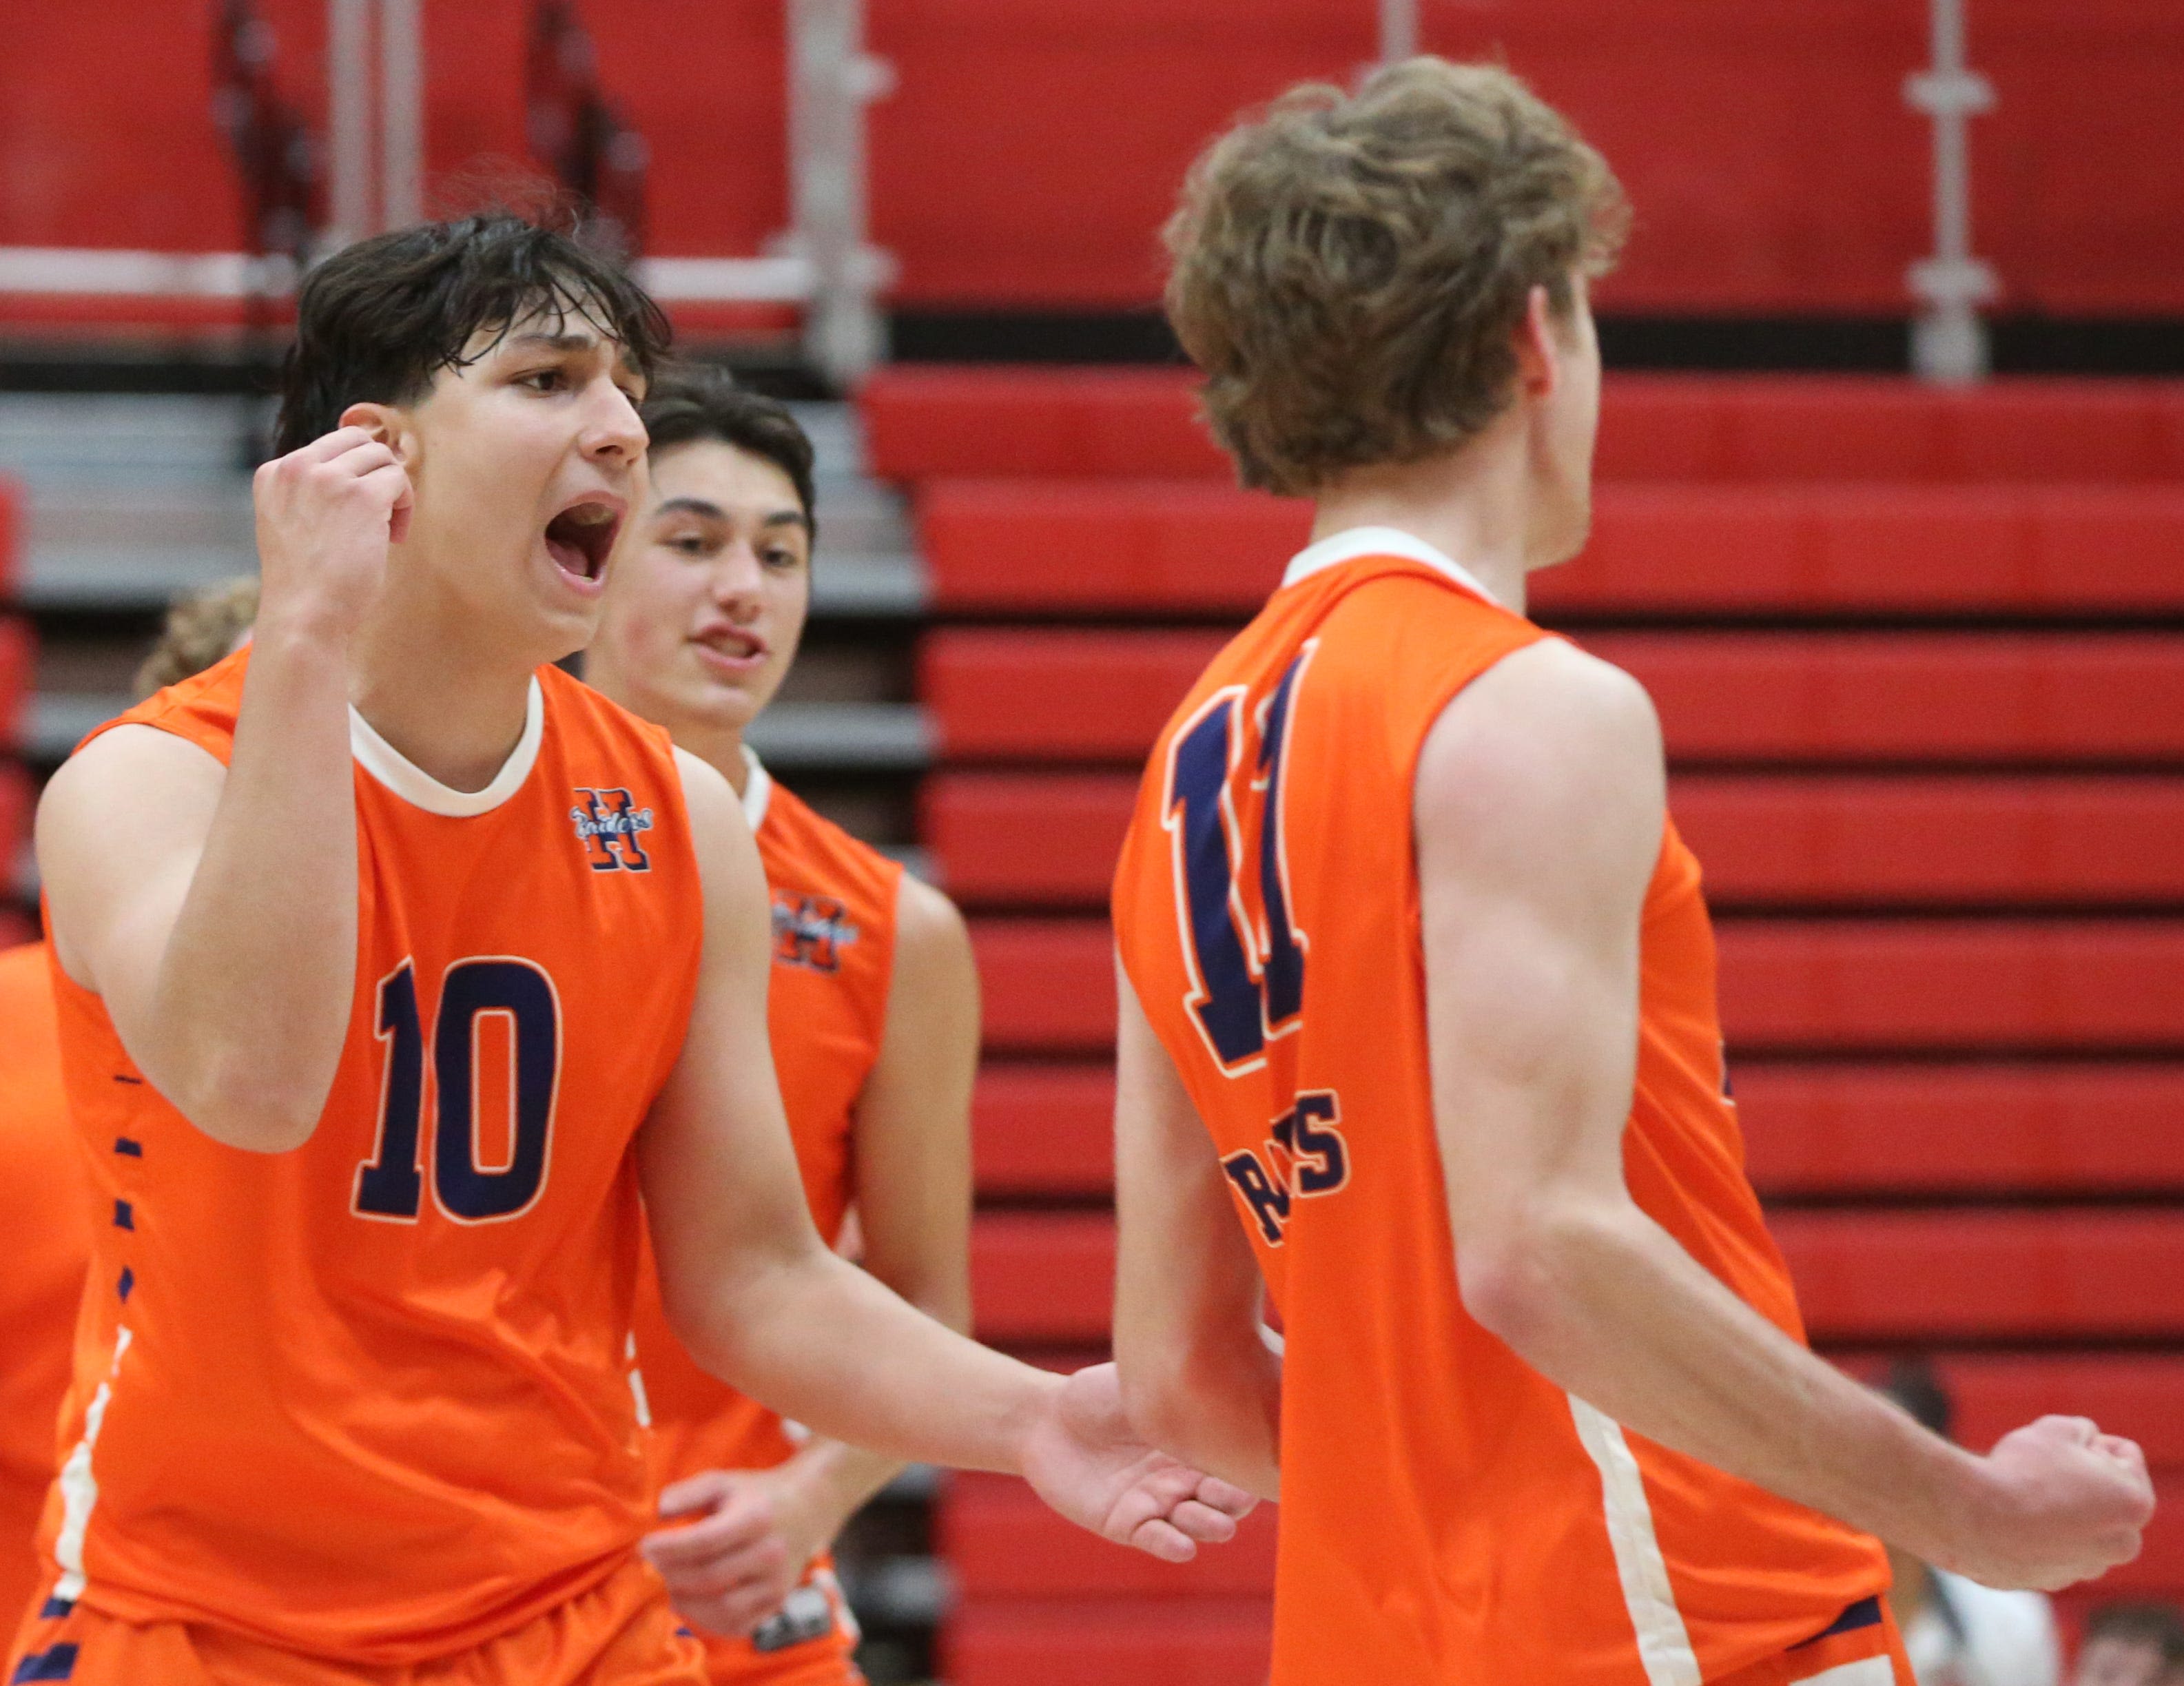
[363,1400]
[833,957]
[1448,1514]
[47,1247]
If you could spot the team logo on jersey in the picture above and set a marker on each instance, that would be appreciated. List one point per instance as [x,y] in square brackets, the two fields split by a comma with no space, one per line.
[608,824]
[1304,1156]
[811,930]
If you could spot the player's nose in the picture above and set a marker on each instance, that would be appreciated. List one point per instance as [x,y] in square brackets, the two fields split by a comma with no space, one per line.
[613,432]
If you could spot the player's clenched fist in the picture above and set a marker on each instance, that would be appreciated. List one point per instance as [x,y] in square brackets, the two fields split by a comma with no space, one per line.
[327,513]
[2063,1503]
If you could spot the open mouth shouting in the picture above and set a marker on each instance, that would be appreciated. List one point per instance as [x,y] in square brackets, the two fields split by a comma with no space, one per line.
[582,535]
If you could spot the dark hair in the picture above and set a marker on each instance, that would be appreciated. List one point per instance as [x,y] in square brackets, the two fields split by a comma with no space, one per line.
[689,401]
[378,319]
[2160,1625]
[1914,1384]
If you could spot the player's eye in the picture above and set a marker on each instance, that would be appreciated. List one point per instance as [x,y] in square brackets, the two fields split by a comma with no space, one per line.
[544,380]
[779,556]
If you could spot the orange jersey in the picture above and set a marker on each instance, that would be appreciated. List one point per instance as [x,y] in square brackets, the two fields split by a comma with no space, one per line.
[365,1400]
[833,957]
[1448,1514]
[42,1213]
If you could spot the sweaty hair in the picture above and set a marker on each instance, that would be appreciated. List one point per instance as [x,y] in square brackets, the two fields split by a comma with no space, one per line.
[2159,1626]
[692,401]
[203,626]
[1348,271]
[378,319]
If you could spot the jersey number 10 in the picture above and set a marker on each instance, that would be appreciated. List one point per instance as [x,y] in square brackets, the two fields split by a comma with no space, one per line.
[1246,972]
[390,1183]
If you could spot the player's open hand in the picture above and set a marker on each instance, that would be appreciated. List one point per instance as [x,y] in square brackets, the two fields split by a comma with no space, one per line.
[2063,1503]
[327,513]
[730,1569]
[1085,1460]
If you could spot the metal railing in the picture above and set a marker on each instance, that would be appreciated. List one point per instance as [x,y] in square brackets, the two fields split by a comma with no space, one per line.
[1949,340]
[823,262]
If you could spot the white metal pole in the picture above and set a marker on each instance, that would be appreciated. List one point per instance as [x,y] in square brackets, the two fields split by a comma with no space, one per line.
[402,124]
[348,90]
[1949,340]
[831,80]
[1398,30]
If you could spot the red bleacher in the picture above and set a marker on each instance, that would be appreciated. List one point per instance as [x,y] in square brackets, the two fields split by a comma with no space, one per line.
[17,667]
[1811,985]
[1859,841]
[1046,1279]
[1044,1129]
[1938,793]
[1159,548]
[936,423]
[1062,694]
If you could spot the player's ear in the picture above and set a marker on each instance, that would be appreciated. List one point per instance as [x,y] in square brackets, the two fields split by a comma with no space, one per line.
[384,422]
[1539,349]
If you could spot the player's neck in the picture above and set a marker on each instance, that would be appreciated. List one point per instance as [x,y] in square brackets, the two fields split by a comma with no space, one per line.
[720,747]
[1473,505]
[450,707]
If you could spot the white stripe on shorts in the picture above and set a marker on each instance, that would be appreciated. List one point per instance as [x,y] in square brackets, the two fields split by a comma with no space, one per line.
[1664,1647]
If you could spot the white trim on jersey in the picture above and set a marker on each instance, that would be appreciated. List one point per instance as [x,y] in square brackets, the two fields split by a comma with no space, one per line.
[758,790]
[1664,1647]
[79,1486]
[1347,546]
[418,788]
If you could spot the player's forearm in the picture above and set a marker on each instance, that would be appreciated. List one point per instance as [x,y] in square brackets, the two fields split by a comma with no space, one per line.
[257,978]
[1604,1302]
[888,1379]
[832,1481]
[1216,1405]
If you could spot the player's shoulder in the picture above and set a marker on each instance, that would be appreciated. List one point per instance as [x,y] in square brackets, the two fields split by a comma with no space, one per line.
[1545,728]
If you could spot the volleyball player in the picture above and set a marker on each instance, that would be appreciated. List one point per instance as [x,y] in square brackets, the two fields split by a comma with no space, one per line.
[392,965]
[1418,1020]
[873,1014]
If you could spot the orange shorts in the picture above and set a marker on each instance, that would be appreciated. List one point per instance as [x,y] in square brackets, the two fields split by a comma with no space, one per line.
[1859,1651]
[622,1632]
[811,1643]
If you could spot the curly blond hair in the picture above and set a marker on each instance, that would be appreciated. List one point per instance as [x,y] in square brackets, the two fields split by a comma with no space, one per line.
[203,626]
[1349,269]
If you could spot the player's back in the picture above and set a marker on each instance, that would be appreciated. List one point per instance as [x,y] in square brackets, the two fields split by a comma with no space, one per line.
[364,1400]
[42,1213]
[1448,1514]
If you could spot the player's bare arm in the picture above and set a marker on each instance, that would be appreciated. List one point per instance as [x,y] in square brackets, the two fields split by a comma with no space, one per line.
[912,1145]
[1198,1376]
[215,909]
[1539,818]
[763,1303]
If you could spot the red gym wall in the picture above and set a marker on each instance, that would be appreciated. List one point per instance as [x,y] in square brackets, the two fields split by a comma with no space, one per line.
[1033,147]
